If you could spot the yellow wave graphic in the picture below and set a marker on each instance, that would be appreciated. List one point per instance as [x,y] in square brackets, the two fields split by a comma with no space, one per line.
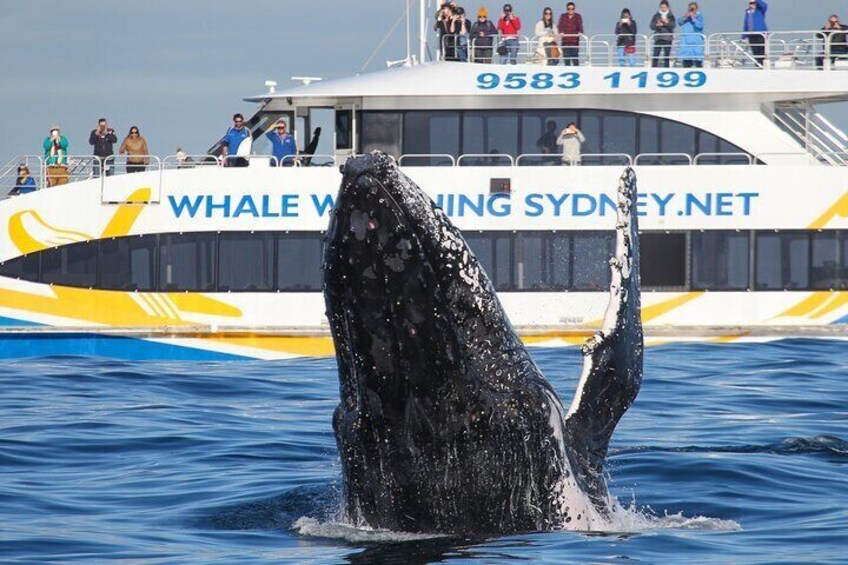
[839,209]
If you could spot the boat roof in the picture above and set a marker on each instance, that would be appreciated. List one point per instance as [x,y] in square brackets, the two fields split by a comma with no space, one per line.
[460,82]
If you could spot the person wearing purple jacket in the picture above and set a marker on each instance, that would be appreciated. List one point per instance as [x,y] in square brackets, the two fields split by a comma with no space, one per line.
[755,29]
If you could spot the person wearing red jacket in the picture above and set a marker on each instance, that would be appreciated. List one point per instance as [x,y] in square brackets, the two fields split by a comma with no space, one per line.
[570,28]
[509,25]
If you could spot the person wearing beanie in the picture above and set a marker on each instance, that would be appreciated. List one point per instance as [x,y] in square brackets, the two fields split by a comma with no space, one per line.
[482,36]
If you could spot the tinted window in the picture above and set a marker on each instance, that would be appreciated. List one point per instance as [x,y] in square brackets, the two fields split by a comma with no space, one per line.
[503,262]
[431,132]
[481,245]
[560,261]
[70,265]
[344,129]
[663,259]
[187,262]
[381,131]
[128,263]
[619,134]
[245,261]
[490,132]
[530,258]
[25,267]
[824,269]
[783,261]
[720,260]
[591,254]
[299,262]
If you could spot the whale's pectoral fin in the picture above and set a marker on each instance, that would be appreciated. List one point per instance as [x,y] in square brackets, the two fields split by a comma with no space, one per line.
[612,358]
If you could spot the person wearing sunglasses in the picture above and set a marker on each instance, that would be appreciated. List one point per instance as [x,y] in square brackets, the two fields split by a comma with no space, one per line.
[755,29]
[283,145]
[547,33]
[135,147]
[482,33]
[570,27]
[234,137]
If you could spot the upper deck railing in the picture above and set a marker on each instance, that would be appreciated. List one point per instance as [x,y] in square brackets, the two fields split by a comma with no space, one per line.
[781,50]
[80,168]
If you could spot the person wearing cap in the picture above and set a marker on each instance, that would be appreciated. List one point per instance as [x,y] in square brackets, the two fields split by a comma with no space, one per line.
[835,44]
[56,157]
[509,25]
[482,33]
[283,145]
[24,183]
[755,29]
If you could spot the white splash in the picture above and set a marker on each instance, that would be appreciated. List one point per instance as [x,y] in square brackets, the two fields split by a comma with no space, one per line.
[311,527]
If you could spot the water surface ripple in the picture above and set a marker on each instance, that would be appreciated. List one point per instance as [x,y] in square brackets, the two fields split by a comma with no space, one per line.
[732,454]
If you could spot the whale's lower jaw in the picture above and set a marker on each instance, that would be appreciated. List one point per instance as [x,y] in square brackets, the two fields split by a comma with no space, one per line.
[445,424]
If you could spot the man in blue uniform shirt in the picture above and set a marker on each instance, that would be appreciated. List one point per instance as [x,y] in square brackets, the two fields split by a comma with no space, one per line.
[234,137]
[755,29]
[283,145]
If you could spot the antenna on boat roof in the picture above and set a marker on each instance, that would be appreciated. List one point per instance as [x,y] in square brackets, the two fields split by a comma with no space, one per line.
[271,85]
[307,80]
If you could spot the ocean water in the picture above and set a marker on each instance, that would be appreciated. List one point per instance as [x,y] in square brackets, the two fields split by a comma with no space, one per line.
[731,454]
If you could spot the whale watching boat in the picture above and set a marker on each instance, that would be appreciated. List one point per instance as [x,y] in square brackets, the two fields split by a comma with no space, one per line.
[743,201]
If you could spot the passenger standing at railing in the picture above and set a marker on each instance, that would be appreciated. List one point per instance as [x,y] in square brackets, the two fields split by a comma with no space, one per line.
[691,49]
[570,28]
[509,25]
[663,24]
[233,139]
[835,41]
[625,30]
[755,21]
[283,145]
[135,146]
[459,27]
[447,43]
[24,183]
[56,157]
[571,139]
[547,33]
[103,139]
[482,38]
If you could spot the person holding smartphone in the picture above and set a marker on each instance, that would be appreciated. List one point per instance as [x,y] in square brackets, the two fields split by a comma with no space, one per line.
[56,157]
[625,31]
[571,140]
[691,49]
[836,41]
[509,25]
[663,24]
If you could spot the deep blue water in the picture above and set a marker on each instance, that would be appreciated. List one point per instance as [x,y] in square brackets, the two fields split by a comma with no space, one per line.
[732,453]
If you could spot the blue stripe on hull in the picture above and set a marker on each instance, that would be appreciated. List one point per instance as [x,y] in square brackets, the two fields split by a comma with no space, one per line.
[16,323]
[16,346]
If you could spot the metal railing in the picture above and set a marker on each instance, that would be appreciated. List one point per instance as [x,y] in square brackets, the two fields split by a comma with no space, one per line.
[781,50]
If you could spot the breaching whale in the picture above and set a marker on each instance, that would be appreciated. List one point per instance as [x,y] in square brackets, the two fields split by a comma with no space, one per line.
[445,424]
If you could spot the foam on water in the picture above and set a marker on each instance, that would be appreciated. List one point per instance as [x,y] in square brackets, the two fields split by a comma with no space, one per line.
[312,527]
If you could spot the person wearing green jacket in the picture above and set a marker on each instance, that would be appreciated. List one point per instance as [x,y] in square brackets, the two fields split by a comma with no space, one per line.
[56,157]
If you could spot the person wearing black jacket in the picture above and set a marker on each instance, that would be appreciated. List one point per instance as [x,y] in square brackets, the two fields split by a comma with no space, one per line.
[483,33]
[625,31]
[103,139]
[836,38]
[663,24]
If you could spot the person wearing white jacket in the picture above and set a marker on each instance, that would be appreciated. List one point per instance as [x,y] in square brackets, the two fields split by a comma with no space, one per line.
[571,139]
[547,34]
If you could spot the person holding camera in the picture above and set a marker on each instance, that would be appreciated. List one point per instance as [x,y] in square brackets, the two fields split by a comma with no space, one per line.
[447,43]
[835,41]
[663,24]
[691,49]
[459,28]
[482,37]
[509,25]
[625,31]
[755,29]
[571,140]
[103,139]
[56,157]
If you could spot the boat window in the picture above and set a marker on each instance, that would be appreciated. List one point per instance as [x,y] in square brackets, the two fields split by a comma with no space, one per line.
[559,246]
[299,259]
[431,133]
[490,132]
[503,268]
[381,131]
[245,261]
[530,257]
[25,267]
[70,265]
[128,263]
[720,260]
[783,261]
[481,245]
[824,270]
[344,129]
[663,260]
[619,134]
[187,262]
[590,257]
[590,124]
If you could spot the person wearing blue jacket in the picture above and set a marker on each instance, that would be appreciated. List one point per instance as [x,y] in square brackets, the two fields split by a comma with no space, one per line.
[283,145]
[755,28]
[691,49]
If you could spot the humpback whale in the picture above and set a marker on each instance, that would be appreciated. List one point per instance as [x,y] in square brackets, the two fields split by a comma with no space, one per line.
[445,424]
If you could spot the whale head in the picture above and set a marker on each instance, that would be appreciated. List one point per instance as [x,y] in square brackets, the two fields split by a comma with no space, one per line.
[445,424]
